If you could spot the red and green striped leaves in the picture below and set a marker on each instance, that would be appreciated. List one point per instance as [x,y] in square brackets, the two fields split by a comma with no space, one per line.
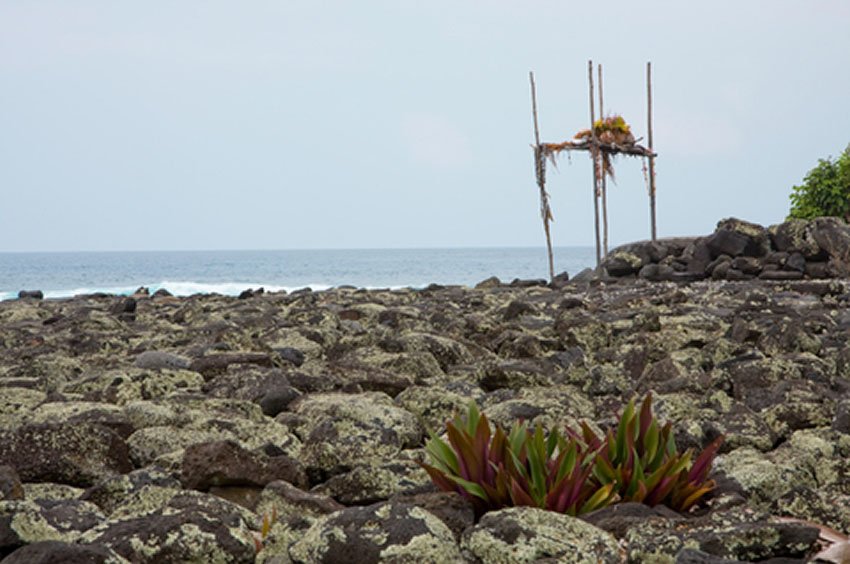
[643,464]
[571,473]
[523,467]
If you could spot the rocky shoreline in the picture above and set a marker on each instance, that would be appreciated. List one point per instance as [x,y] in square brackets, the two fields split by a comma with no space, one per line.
[163,429]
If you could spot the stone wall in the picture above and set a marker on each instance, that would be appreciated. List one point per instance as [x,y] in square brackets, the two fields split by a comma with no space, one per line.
[738,250]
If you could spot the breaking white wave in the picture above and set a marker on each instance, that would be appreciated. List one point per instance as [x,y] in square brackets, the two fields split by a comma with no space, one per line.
[176,288]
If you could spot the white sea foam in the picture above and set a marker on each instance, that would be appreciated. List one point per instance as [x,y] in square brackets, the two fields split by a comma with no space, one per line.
[177,288]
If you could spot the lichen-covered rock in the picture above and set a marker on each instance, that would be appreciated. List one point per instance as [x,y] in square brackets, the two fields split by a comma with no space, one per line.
[147,445]
[815,458]
[188,528]
[135,384]
[448,352]
[16,403]
[25,522]
[46,491]
[527,534]
[110,493]
[551,408]
[340,431]
[73,413]
[359,375]
[285,500]
[369,484]
[456,511]
[195,422]
[518,374]
[699,420]
[75,455]
[418,364]
[761,479]
[434,405]
[52,551]
[738,535]
[384,532]
[622,263]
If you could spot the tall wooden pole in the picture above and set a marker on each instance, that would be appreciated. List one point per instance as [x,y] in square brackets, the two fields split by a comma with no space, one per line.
[652,156]
[603,180]
[594,154]
[540,174]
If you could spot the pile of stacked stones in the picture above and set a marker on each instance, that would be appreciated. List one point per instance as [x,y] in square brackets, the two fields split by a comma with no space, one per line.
[739,250]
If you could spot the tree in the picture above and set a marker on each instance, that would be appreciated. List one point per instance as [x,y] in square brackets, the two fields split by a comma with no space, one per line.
[825,190]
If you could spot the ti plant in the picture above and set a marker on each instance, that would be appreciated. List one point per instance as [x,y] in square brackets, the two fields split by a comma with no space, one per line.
[642,462]
[571,473]
[523,467]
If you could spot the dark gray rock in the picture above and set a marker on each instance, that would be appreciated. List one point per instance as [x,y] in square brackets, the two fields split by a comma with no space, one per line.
[617,519]
[225,463]
[492,282]
[747,265]
[213,364]
[291,355]
[532,283]
[622,263]
[454,510]
[58,552]
[656,272]
[559,281]
[700,259]
[796,261]
[125,308]
[694,556]
[735,238]
[76,455]
[157,360]
[832,236]
[31,294]
[10,484]
[781,275]
[795,235]
[278,399]
[841,421]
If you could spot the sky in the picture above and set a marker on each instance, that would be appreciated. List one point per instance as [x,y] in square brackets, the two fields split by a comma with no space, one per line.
[290,124]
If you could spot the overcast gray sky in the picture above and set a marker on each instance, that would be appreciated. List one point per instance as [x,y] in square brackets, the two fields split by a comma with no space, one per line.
[339,124]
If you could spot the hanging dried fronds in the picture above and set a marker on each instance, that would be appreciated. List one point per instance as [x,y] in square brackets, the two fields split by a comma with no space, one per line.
[613,137]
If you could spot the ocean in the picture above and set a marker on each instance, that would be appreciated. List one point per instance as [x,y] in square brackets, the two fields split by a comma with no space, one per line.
[183,273]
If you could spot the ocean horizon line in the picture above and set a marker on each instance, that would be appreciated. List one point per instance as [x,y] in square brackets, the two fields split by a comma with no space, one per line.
[322,249]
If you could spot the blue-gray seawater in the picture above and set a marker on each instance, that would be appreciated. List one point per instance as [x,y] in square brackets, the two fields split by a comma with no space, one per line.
[229,272]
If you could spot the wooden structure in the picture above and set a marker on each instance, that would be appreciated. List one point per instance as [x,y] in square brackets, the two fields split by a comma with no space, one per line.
[602,148]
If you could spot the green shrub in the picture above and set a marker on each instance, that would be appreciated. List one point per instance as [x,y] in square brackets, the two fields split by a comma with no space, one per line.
[569,473]
[825,190]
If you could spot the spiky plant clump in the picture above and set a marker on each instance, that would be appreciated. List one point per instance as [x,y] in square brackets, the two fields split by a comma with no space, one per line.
[524,467]
[569,473]
[641,460]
